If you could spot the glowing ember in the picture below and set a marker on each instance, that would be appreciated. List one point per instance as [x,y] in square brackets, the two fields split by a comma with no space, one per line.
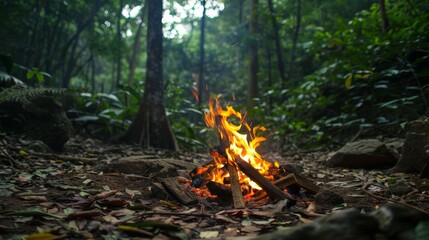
[235,144]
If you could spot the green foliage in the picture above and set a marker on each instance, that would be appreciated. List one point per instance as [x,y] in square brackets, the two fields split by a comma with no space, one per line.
[422,230]
[366,79]
[14,90]
[24,95]
[99,115]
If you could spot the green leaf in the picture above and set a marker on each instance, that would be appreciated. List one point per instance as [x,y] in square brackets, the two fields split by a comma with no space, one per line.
[39,77]
[159,225]
[422,231]
[29,75]
[348,82]
[33,213]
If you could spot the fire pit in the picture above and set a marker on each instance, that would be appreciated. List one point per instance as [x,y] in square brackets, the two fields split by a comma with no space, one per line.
[237,169]
[237,173]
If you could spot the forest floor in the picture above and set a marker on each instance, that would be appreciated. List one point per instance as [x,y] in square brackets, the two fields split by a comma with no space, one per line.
[67,196]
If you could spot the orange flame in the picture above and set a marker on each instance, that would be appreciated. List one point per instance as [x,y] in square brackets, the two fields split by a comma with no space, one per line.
[238,145]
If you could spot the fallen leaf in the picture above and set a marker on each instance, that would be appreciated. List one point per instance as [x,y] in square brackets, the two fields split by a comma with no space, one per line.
[106,194]
[209,234]
[134,230]
[41,236]
[34,198]
[302,219]
[225,219]
[263,222]
[33,213]
[311,207]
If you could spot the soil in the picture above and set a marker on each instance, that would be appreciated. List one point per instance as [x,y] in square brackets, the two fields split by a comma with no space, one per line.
[66,195]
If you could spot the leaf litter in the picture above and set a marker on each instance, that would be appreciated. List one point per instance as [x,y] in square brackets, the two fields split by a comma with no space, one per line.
[47,197]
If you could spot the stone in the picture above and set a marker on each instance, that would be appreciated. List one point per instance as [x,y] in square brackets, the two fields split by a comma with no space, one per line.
[42,119]
[414,151]
[327,197]
[349,224]
[368,154]
[400,188]
[398,222]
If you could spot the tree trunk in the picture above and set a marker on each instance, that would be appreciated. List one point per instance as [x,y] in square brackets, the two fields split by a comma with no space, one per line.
[151,127]
[383,15]
[96,7]
[201,82]
[118,45]
[295,41]
[253,53]
[239,41]
[279,51]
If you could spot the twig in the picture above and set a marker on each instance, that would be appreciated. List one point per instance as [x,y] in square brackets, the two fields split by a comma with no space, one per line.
[60,157]
[12,161]
[395,201]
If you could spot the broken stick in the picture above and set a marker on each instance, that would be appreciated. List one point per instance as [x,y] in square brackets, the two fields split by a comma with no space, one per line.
[180,193]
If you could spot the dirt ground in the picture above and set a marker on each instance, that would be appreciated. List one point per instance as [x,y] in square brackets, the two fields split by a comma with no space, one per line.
[67,196]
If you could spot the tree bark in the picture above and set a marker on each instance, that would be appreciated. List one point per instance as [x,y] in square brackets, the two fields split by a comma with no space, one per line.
[295,40]
[201,82]
[253,53]
[151,127]
[118,45]
[279,51]
[383,15]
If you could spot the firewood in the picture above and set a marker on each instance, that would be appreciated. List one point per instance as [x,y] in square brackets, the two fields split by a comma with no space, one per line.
[271,189]
[181,194]
[293,179]
[237,196]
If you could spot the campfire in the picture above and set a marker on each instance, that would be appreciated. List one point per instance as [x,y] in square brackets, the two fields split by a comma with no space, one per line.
[237,169]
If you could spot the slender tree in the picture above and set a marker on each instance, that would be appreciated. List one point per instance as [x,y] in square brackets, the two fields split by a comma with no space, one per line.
[279,51]
[295,40]
[151,127]
[118,46]
[201,81]
[383,15]
[252,91]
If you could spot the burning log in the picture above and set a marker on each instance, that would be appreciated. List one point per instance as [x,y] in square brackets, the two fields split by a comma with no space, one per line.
[271,189]
[237,195]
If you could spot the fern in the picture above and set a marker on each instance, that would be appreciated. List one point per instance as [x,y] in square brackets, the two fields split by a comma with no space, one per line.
[23,95]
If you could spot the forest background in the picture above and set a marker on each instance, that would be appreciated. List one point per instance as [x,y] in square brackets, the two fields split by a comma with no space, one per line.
[311,72]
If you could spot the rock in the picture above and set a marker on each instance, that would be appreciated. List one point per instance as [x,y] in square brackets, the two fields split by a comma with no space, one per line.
[398,222]
[345,225]
[151,168]
[327,197]
[49,122]
[369,154]
[400,188]
[42,119]
[413,155]
[395,146]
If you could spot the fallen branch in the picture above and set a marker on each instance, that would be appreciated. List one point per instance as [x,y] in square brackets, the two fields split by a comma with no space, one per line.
[395,201]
